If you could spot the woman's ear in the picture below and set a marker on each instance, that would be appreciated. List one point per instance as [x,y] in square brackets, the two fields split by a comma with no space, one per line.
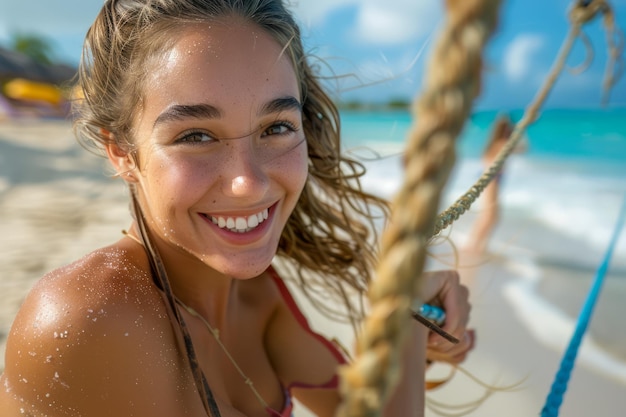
[122,160]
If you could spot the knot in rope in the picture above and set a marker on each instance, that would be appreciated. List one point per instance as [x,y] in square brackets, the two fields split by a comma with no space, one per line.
[586,10]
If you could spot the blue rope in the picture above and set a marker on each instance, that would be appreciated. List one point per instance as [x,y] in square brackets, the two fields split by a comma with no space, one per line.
[559,386]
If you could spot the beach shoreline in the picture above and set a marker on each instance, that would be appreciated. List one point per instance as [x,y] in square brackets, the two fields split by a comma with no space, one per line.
[58,203]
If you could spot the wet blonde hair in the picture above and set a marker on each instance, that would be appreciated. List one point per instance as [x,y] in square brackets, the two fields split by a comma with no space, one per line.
[329,240]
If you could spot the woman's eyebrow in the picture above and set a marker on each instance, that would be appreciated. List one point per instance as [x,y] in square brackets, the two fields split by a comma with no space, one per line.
[278,105]
[177,112]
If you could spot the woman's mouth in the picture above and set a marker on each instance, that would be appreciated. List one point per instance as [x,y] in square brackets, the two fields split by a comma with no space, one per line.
[239,224]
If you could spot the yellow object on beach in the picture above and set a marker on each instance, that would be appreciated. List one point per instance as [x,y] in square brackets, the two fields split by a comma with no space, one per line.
[21,89]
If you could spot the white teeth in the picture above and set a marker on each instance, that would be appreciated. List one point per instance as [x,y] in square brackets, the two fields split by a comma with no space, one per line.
[240,224]
[253,222]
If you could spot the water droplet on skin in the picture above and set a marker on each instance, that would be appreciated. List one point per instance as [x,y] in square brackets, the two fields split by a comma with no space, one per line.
[61,335]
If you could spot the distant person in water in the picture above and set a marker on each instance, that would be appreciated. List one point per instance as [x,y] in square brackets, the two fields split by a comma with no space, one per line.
[489,214]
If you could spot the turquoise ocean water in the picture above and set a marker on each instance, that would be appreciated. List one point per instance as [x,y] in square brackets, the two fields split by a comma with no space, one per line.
[572,176]
[584,136]
[560,199]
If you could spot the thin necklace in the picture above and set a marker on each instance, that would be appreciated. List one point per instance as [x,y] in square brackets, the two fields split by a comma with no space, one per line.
[216,335]
[133,237]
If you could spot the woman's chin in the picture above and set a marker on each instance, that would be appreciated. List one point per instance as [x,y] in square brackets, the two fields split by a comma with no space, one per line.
[245,274]
[239,269]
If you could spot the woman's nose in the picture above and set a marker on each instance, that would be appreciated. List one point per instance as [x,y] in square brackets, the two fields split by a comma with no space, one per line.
[245,175]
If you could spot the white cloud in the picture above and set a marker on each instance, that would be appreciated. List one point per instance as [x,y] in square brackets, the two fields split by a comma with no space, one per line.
[312,12]
[387,22]
[378,22]
[385,69]
[518,56]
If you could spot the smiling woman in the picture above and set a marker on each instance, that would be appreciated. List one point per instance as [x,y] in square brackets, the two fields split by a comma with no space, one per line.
[209,112]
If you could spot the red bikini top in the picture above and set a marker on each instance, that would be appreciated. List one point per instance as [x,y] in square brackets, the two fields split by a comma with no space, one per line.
[333,383]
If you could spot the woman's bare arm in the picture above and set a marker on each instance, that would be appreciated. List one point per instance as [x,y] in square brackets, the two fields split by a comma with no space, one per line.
[90,344]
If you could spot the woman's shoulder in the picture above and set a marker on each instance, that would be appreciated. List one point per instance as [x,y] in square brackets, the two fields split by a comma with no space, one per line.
[112,278]
[117,264]
[104,283]
[109,287]
[83,327]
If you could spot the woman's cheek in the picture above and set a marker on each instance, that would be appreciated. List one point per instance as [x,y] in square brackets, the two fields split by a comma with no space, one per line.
[184,177]
[298,168]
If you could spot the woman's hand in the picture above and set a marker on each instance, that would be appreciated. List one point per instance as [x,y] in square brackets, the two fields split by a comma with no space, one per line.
[444,289]
[451,353]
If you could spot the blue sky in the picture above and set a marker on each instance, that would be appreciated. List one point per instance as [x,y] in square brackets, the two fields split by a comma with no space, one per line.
[377,47]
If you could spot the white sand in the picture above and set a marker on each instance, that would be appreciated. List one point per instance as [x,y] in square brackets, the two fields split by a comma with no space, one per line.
[57,203]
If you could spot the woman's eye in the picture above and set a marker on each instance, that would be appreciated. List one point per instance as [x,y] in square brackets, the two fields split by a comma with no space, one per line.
[278,129]
[195,137]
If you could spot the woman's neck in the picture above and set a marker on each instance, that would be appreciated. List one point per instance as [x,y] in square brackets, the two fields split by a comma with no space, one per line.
[194,283]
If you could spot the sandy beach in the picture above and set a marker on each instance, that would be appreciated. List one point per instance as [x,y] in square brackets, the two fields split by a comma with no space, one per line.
[59,202]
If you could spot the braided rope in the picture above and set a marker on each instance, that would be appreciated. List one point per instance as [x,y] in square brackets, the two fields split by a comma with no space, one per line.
[452,82]
[581,13]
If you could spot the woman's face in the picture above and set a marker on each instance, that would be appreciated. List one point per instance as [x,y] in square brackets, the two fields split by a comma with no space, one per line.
[221,151]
